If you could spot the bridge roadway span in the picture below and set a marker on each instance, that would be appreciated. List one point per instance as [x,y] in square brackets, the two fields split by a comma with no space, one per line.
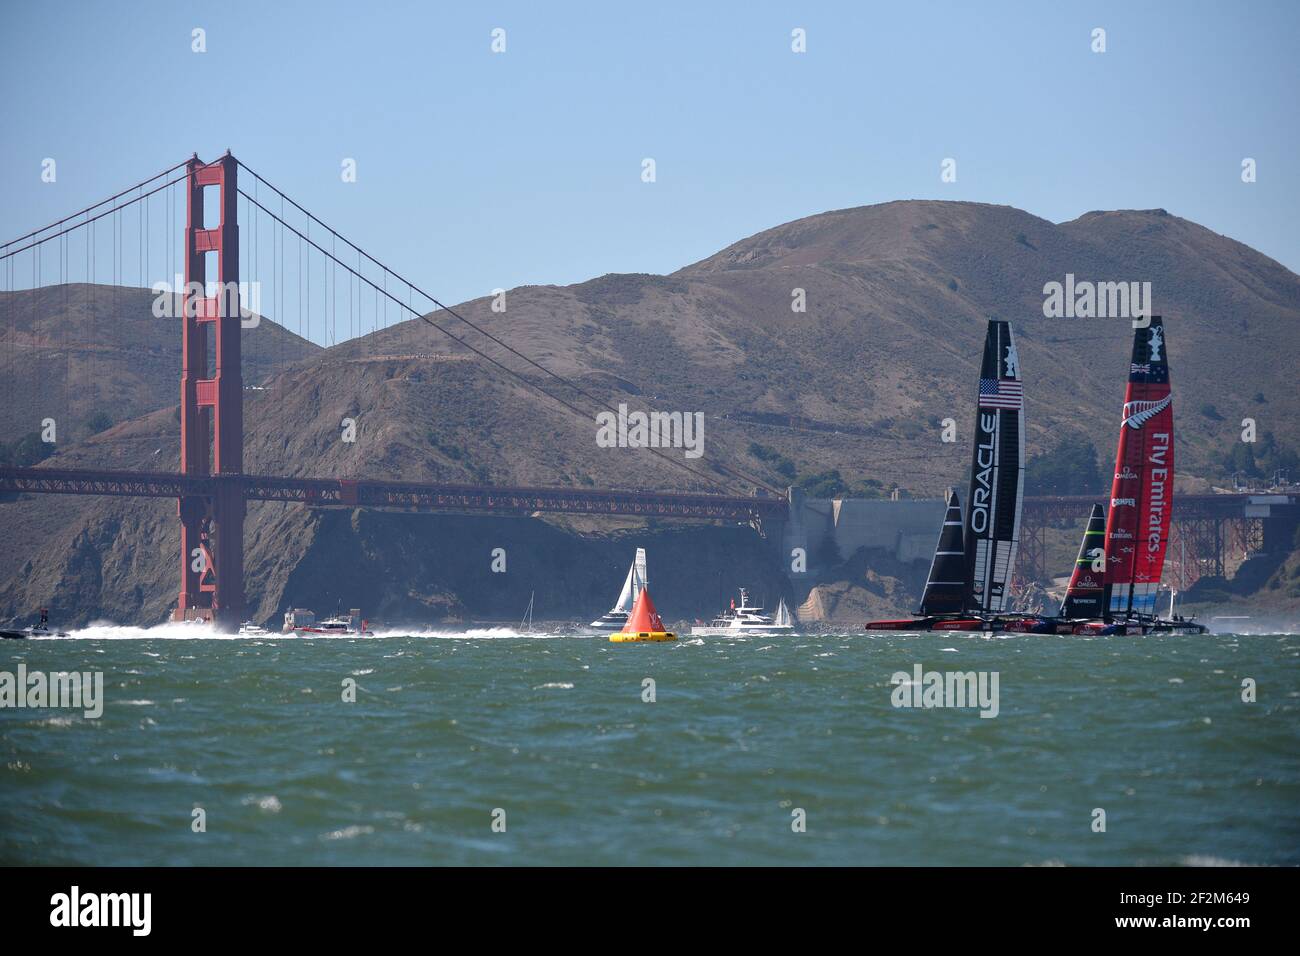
[416,496]
[424,496]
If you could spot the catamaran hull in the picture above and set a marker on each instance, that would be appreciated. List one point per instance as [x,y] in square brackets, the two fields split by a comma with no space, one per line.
[934,624]
[1138,628]
[917,624]
[1177,627]
[1027,625]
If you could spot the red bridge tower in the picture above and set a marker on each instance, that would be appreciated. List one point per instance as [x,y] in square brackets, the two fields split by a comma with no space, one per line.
[212,406]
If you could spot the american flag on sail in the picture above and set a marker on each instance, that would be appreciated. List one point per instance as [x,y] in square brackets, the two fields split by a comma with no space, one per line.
[1001,393]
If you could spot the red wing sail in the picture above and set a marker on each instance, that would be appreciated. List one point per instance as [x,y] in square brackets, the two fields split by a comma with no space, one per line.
[1137,527]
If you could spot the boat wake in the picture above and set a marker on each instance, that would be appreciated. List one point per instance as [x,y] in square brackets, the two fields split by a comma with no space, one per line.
[471,634]
[169,631]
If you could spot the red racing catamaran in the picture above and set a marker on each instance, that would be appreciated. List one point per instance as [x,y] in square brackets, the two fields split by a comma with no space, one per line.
[1141,499]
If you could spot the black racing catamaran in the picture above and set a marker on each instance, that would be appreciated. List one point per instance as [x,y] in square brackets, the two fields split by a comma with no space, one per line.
[970,578]
[997,482]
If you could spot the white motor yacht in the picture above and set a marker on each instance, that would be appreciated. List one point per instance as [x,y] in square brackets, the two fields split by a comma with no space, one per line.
[746,619]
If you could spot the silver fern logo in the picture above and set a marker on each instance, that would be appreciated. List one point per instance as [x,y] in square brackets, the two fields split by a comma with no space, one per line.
[1137,414]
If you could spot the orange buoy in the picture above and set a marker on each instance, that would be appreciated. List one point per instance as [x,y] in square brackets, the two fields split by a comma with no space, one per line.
[644,623]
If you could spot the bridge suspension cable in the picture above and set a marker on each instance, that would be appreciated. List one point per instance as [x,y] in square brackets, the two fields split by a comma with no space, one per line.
[49,345]
[477,351]
[82,212]
[358,275]
[141,192]
[85,222]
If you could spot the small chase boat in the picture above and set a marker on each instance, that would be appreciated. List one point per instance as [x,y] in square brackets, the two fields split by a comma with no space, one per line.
[40,629]
[303,622]
[644,624]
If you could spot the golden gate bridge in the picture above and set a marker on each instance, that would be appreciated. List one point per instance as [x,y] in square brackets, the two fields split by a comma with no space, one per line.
[212,489]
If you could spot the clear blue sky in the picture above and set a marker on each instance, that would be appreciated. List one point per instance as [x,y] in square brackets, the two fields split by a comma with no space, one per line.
[478,170]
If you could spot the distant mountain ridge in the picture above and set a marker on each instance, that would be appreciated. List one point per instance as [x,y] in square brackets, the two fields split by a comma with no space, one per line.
[76,351]
[896,299]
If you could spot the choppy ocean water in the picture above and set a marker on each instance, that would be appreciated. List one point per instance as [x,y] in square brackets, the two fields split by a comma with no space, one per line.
[551,734]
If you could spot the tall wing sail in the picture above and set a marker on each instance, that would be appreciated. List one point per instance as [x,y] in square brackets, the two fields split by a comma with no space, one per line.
[783,618]
[945,589]
[1086,595]
[639,579]
[997,482]
[625,597]
[1137,527]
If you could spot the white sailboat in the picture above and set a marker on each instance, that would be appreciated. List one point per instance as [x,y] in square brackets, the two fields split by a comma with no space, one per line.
[616,616]
[783,617]
[526,625]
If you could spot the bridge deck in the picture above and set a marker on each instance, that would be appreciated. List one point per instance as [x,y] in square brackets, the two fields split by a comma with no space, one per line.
[418,496]
[428,496]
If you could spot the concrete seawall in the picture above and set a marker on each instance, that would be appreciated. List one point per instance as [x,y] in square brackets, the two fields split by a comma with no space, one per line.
[905,529]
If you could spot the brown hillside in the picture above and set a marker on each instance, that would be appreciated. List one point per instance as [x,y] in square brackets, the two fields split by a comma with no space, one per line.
[72,351]
[897,295]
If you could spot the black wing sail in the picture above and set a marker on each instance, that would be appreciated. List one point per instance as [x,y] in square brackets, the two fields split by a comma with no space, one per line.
[1086,595]
[945,589]
[997,475]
